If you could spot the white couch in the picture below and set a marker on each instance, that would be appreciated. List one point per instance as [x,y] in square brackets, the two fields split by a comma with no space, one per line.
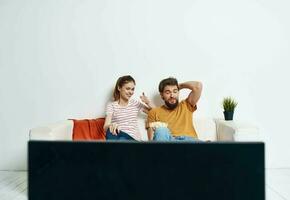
[236,131]
[207,129]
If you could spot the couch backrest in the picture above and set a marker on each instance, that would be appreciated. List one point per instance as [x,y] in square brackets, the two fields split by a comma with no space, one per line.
[61,130]
[205,128]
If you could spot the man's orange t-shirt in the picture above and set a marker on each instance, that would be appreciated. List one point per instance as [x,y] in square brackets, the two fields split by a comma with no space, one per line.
[179,120]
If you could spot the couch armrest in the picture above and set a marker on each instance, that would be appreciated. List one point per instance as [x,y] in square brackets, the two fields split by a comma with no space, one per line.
[205,129]
[57,131]
[236,131]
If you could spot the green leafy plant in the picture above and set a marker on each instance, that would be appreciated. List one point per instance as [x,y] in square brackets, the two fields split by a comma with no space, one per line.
[229,104]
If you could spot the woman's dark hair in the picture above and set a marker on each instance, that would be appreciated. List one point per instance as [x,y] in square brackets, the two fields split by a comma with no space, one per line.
[167,81]
[120,82]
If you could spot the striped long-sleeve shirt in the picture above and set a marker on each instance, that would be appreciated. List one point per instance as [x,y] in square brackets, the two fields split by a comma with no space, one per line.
[126,116]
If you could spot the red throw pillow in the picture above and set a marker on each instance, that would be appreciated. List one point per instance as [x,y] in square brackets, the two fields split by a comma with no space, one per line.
[89,129]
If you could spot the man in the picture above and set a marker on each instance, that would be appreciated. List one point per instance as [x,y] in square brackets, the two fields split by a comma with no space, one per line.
[174,118]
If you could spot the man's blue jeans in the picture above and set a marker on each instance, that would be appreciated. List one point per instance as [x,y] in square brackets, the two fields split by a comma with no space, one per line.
[164,134]
[120,136]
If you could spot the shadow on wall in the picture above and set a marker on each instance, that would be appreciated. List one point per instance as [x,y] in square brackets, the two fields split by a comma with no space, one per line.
[157,101]
[108,98]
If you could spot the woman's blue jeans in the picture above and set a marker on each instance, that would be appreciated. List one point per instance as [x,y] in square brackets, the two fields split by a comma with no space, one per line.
[120,136]
[164,134]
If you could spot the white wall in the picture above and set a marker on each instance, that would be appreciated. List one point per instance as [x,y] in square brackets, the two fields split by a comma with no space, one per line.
[60,59]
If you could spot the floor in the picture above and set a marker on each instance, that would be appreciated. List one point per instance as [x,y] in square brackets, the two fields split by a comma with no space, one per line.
[278,184]
[13,184]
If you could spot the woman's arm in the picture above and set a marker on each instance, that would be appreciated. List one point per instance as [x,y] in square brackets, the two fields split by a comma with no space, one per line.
[112,126]
[146,100]
[107,122]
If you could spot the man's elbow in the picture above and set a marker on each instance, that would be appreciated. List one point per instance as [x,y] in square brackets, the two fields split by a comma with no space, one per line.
[197,86]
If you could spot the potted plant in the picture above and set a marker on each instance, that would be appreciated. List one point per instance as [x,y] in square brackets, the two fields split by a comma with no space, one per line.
[229,105]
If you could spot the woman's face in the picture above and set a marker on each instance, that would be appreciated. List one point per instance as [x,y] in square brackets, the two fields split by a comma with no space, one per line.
[127,90]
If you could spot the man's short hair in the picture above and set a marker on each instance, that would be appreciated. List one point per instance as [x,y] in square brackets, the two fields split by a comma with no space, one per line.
[167,81]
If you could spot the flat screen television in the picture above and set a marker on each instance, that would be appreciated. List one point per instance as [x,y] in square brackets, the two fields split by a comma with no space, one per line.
[67,170]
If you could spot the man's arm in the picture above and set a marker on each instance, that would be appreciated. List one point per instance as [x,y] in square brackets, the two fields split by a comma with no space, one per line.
[195,87]
[150,133]
[150,118]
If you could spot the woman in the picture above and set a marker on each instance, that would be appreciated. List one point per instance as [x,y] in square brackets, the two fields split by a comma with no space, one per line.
[121,114]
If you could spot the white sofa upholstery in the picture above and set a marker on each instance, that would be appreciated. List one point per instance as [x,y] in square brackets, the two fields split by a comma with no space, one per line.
[207,129]
[61,130]
[236,131]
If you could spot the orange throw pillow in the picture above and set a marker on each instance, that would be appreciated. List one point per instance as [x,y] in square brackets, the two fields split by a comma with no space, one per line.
[89,129]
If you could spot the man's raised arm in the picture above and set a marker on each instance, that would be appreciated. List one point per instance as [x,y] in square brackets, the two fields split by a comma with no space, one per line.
[195,87]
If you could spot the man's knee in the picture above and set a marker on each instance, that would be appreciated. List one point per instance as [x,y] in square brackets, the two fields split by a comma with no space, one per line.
[162,134]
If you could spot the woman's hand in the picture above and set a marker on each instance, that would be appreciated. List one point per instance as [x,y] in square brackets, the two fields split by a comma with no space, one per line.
[114,128]
[146,100]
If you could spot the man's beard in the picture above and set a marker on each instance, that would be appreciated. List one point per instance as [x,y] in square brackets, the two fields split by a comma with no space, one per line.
[171,106]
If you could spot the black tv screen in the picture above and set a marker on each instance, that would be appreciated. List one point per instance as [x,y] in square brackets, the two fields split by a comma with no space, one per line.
[64,170]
